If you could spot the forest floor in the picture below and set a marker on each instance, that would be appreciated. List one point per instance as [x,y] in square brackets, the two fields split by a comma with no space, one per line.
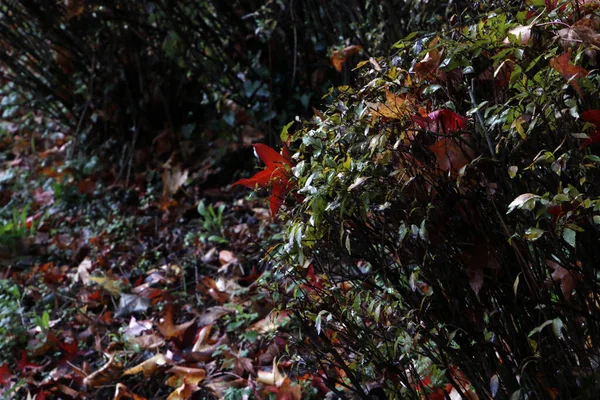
[135,286]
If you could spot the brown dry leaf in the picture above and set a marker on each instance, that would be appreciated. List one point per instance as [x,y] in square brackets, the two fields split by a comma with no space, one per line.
[451,155]
[184,392]
[74,8]
[111,285]
[123,393]
[106,374]
[83,271]
[269,355]
[185,375]
[286,391]
[173,178]
[219,385]
[581,32]
[136,328]
[569,71]
[168,329]
[213,314]
[202,335]
[427,68]
[271,378]
[375,64]
[240,364]
[339,57]
[567,278]
[522,33]
[148,342]
[270,323]
[149,366]
[395,107]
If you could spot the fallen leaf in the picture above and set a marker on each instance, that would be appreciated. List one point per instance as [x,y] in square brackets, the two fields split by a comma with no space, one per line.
[201,337]
[111,285]
[173,178]
[185,375]
[168,329]
[270,323]
[106,374]
[239,363]
[123,393]
[136,328]
[271,378]
[149,366]
[131,304]
[184,392]
[148,342]
[83,269]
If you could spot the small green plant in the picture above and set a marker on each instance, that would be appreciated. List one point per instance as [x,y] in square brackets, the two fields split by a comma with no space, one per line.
[212,223]
[11,325]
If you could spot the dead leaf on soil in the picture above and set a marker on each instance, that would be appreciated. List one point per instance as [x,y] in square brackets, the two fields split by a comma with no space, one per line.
[106,374]
[148,342]
[168,329]
[185,375]
[202,335]
[270,323]
[149,366]
[123,393]
[184,392]
[83,269]
[131,304]
[173,178]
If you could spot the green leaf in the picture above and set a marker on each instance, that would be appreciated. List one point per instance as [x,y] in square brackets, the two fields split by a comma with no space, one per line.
[569,235]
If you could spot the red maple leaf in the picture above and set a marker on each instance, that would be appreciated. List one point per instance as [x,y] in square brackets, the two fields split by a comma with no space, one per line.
[275,175]
[442,121]
[593,117]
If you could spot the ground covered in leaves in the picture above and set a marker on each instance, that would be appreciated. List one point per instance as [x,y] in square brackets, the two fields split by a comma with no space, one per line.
[117,285]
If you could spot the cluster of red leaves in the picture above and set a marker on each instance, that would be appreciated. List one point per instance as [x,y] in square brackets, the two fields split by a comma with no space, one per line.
[276,174]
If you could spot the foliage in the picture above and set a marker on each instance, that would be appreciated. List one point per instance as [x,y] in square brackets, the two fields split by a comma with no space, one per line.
[173,75]
[446,238]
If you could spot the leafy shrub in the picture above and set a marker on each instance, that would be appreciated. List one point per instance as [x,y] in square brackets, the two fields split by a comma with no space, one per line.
[446,237]
[132,71]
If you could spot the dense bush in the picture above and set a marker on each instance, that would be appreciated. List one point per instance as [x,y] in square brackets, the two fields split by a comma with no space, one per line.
[444,233]
[133,71]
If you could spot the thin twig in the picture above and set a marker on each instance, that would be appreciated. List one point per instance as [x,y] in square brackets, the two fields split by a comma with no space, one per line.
[480,120]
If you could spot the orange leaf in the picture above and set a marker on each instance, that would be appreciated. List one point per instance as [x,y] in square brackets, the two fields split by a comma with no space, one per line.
[339,57]
[168,329]
[569,71]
